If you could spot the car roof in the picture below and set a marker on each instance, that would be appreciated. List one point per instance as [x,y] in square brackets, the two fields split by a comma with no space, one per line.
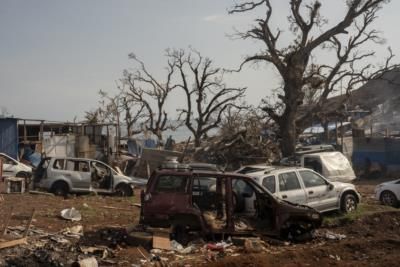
[260,165]
[277,170]
[216,174]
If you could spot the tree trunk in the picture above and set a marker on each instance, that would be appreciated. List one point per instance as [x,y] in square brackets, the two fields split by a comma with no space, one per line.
[289,136]
[197,141]
[326,131]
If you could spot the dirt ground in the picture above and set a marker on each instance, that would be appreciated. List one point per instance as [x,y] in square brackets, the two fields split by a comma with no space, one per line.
[372,234]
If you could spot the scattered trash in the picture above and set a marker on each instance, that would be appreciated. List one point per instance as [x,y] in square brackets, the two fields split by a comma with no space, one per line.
[74,231]
[335,257]
[88,262]
[215,247]
[329,235]
[176,246]
[71,214]
[253,245]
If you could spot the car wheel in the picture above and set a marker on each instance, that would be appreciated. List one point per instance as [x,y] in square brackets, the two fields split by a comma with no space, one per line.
[300,232]
[180,234]
[348,203]
[60,189]
[389,199]
[123,190]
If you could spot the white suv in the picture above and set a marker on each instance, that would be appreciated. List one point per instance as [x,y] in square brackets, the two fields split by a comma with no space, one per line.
[305,186]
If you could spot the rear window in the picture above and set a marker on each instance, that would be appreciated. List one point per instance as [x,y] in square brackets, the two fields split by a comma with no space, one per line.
[58,164]
[170,183]
[288,181]
[269,183]
[76,165]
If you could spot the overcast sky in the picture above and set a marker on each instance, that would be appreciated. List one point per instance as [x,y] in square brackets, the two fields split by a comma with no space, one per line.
[56,55]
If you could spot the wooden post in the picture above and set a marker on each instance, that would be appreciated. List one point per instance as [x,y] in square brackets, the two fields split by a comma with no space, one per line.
[25,132]
[341,134]
[41,136]
[108,145]
[336,132]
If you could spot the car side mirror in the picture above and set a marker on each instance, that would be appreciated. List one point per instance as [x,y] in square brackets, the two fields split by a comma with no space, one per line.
[330,187]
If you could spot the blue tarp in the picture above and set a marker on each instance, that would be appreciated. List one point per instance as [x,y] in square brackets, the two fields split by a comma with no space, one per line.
[9,137]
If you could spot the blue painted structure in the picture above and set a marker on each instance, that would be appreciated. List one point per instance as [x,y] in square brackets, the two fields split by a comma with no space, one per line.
[379,150]
[9,137]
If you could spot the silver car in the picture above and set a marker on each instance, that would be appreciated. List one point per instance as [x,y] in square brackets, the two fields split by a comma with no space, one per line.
[61,176]
[307,187]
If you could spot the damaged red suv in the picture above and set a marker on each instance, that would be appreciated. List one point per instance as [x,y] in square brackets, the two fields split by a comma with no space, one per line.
[212,202]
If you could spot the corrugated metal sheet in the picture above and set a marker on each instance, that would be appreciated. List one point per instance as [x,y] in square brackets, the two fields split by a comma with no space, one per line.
[9,137]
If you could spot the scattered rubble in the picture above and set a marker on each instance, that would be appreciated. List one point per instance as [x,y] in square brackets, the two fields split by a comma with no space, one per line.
[71,214]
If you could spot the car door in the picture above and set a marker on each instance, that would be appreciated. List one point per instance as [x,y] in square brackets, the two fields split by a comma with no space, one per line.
[319,192]
[168,195]
[290,188]
[79,178]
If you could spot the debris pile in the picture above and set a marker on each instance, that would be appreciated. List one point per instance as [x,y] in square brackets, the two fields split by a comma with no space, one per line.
[237,149]
[69,247]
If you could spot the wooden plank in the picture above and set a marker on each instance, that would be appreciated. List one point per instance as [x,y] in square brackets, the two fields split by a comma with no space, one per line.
[13,243]
[161,241]
[143,252]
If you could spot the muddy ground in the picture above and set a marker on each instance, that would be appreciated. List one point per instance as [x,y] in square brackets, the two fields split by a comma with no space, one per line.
[372,236]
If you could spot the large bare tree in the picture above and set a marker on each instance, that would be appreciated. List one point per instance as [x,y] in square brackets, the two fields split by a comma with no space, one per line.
[207,96]
[298,62]
[143,88]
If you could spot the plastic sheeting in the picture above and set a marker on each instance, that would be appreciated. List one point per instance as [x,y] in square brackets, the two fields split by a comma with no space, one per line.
[336,167]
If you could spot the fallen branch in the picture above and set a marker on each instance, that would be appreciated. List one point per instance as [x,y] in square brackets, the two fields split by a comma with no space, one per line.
[13,243]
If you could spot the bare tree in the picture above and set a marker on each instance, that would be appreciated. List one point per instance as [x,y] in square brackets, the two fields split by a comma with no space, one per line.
[112,107]
[143,88]
[296,62]
[207,96]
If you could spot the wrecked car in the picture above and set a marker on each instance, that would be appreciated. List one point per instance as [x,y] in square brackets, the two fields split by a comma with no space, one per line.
[12,167]
[217,203]
[61,176]
[305,186]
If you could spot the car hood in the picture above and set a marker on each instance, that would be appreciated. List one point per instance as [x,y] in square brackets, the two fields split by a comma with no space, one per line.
[339,185]
[132,180]
[138,181]
[388,183]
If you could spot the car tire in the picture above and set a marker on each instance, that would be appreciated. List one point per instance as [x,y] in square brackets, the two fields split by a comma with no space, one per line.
[180,234]
[299,232]
[388,198]
[60,189]
[348,203]
[123,190]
